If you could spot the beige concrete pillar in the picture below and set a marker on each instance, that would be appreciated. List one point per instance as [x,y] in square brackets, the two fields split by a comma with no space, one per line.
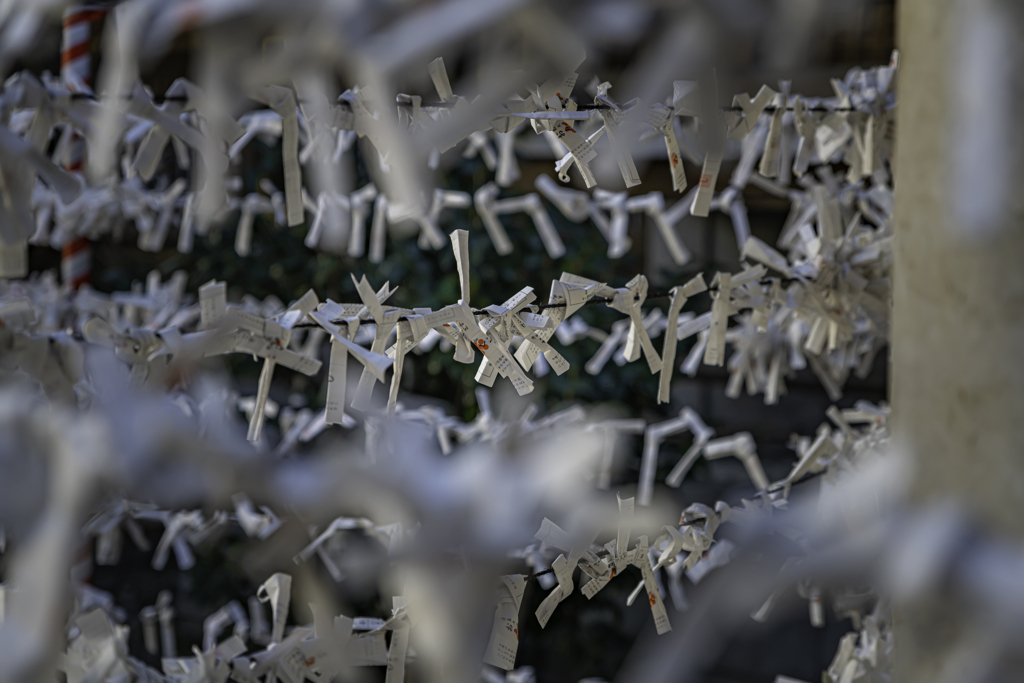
[957,368]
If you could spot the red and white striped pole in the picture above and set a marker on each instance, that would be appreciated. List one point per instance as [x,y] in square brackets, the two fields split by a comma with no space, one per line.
[76,256]
[76,71]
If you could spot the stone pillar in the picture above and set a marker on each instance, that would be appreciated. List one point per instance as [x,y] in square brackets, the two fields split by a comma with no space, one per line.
[958,292]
